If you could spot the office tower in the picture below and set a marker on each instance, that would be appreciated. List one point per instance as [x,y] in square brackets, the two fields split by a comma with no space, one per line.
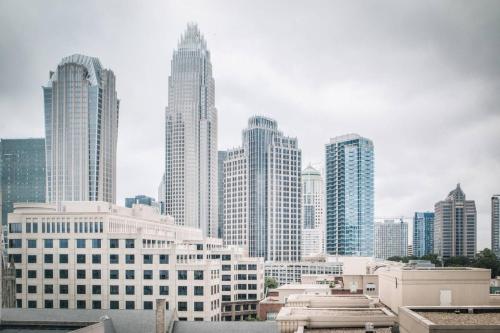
[495,224]
[262,193]
[455,226]
[423,233]
[141,200]
[96,255]
[162,195]
[313,227]
[22,173]
[221,157]
[410,250]
[191,136]
[81,129]
[391,239]
[349,196]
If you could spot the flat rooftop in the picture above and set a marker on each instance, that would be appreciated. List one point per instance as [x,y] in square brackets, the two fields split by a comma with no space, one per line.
[299,286]
[346,330]
[461,318]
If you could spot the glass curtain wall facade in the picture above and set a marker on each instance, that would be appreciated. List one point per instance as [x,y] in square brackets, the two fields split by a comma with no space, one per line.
[423,233]
[495,224]
[221,157]
[349,196]
[191,136]
[81,130]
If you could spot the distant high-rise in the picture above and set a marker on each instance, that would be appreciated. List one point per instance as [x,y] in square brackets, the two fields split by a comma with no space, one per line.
[221,157]
[81,130]
[262,193]
[313,226]
[495,224]
[141,200]
[162,195]
[191,136]
[391,239]
[423,233]
[349,196]
[455,226]
[22,173]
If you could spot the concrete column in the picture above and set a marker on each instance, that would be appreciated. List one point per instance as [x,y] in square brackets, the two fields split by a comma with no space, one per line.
[160,316]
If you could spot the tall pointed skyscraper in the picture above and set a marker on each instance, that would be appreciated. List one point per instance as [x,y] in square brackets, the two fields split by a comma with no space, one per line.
[81,130]
[191,136]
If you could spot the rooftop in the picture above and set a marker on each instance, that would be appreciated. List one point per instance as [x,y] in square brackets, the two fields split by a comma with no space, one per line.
[225,326]
[297,286]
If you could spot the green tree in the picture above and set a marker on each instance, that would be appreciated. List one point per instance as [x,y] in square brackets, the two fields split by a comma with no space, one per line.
[270,283]
[458,261]
[487,259]
[433,258]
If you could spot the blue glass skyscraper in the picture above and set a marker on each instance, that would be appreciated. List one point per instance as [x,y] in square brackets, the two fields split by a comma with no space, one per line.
[349,196]
[423,233]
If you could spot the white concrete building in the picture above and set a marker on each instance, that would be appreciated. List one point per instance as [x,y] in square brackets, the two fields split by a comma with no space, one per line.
[313,224]
[95,255]
[191,136]
[391,239]
[291,272]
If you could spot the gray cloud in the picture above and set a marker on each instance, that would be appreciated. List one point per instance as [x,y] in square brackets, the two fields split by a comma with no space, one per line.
[420,78]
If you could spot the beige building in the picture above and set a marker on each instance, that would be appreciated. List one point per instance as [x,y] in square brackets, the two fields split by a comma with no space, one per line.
[405,286]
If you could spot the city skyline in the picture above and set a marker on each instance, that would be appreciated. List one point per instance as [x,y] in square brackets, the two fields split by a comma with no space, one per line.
[401,185]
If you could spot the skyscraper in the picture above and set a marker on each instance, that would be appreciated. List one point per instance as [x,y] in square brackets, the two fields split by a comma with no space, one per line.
[423,233]
[455,226]
[495,224]
[349,196]
[81,130]
[313,226]
[142,200]
[191,136]
[391,239]
[221,157]
[262,193]
[22,173]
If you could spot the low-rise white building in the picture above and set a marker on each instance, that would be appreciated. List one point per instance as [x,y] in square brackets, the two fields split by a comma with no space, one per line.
[291,272]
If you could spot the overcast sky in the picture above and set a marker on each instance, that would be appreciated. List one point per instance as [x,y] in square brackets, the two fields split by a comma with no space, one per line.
[420,78]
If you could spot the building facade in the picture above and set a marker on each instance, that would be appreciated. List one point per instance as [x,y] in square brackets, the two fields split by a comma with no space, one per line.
[291,272]
[221,157]
[423,233]
[455,226]
[495,224]
[313,226]
[349,196]
[142,200]
[262,193]
[191,136]
[22,173]
[96,255]
[81,130]
[391,239]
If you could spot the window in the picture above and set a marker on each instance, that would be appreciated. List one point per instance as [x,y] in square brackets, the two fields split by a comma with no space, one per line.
[182,291]
[148,259]
[96,243]
[80,258]
[48,289]
[148,290]
[198,290]
[226,277]
[48,259]
[96,289]
[242,267]
[113,243]
[198,306]
[63,273]
[31,259]
[113,259]
[129,274]
[31,289]
[226,287]
[163,258]
[15,228]
[31,243]
[31,304]
[252,267]
[130,290]
[80,243]
[19,273]
[163,290]
[130,305]
[32,274]
[148,274]
[49,274]
[16,258]
[63,243]
[226,298]
[114,290]
[81,304]
[19,288]
[129,259]
[114,305]
[182,275]
[130,243]
[252,276]
[226,257]
[15,243]
[163,275]
[63,289]
[148,305]
[63,304]
[226,268]
[114,274]
[96,274]
[96,258]
[182,306]
[80,289]
[198,275]
[80,274]
[63,258]
[49,304]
